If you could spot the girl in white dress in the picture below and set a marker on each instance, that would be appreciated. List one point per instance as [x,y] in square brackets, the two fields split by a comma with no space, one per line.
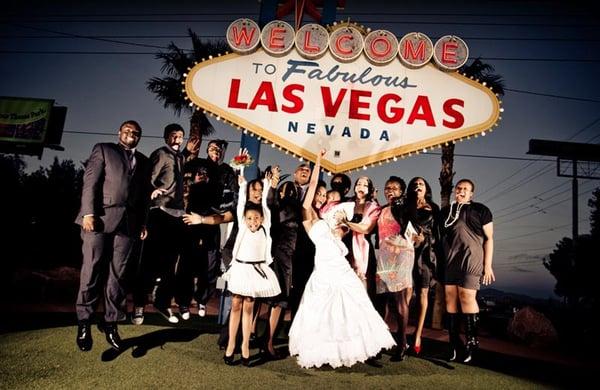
[336,323]
[249,276]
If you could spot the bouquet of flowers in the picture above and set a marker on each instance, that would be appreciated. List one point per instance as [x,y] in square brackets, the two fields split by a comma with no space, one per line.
[397,244]
[241,160]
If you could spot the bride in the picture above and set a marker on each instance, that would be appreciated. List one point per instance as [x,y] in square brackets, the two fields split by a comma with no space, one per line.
[336,323]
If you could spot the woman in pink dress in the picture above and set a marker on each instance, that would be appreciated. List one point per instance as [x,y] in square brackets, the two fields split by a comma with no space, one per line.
[393,279]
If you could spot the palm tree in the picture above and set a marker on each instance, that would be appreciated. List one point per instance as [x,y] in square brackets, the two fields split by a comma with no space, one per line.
[484,73]
[168,89]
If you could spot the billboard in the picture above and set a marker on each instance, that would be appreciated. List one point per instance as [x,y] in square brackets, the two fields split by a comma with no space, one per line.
[24,120]
[366,100]
[28,125]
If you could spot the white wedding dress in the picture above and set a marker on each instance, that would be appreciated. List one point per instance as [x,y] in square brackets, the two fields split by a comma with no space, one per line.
[336,323]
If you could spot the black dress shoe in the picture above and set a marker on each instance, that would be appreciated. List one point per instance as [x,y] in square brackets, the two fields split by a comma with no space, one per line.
[112,336]
[399,355]
[84,336]
[228,359]
[452,355]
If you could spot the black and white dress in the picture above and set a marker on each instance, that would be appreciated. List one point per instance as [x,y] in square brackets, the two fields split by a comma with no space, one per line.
[250,274]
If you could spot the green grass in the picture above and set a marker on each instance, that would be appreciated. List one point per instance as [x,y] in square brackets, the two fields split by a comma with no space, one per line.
[188,357]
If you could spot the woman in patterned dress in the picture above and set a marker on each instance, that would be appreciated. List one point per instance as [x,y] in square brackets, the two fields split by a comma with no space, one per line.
[395,261]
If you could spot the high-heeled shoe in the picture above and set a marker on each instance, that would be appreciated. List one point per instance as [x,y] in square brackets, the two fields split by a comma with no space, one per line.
[268,356]
[399,355]
[228,359]
[245,361]
[416,349]
[253,340]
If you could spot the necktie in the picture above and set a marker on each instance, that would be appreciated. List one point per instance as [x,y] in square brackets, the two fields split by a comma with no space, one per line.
[300,193]
[130,159]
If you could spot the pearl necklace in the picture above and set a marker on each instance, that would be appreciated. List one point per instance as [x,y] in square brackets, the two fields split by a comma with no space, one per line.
[449,222]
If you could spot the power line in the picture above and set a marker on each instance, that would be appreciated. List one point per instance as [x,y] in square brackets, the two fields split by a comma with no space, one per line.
[536,196]
[374,21]
[531,205]
[181,36]
[76,52]
[533,233]
[540,172]
[547,248]
[554,96]
[90,37]
[581,60]
[538,199]
[543,208]
[207,13]
[69,35]
[14,36]
[79,52]
[554,228]
[519,262]
[581,131]
[86,37]
[594,138]
[538,262]
[521,169]
[483,156]
[492,15]
[516,172]
[251,14]
[144,136]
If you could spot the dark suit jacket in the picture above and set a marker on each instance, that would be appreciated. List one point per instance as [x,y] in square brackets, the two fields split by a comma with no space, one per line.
[110,192]
[167,174]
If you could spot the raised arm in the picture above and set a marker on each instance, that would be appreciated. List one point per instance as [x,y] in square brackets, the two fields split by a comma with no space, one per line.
[314,180]
[309,215]
[241,204]
[265,206]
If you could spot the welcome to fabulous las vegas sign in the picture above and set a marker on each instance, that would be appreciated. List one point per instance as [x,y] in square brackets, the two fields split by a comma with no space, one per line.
[366,97]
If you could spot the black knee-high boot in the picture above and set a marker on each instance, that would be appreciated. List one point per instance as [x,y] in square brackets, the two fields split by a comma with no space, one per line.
[471,334]
[454,333]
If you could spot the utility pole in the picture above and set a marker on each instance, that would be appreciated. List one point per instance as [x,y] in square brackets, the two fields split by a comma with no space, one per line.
[584,160]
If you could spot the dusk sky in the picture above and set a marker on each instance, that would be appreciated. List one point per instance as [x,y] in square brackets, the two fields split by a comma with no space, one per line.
[96,59]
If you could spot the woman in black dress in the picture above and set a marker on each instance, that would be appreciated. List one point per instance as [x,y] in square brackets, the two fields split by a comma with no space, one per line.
[424,215]
[468,249]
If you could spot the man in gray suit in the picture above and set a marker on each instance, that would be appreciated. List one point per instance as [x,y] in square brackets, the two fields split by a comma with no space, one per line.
[113,207]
